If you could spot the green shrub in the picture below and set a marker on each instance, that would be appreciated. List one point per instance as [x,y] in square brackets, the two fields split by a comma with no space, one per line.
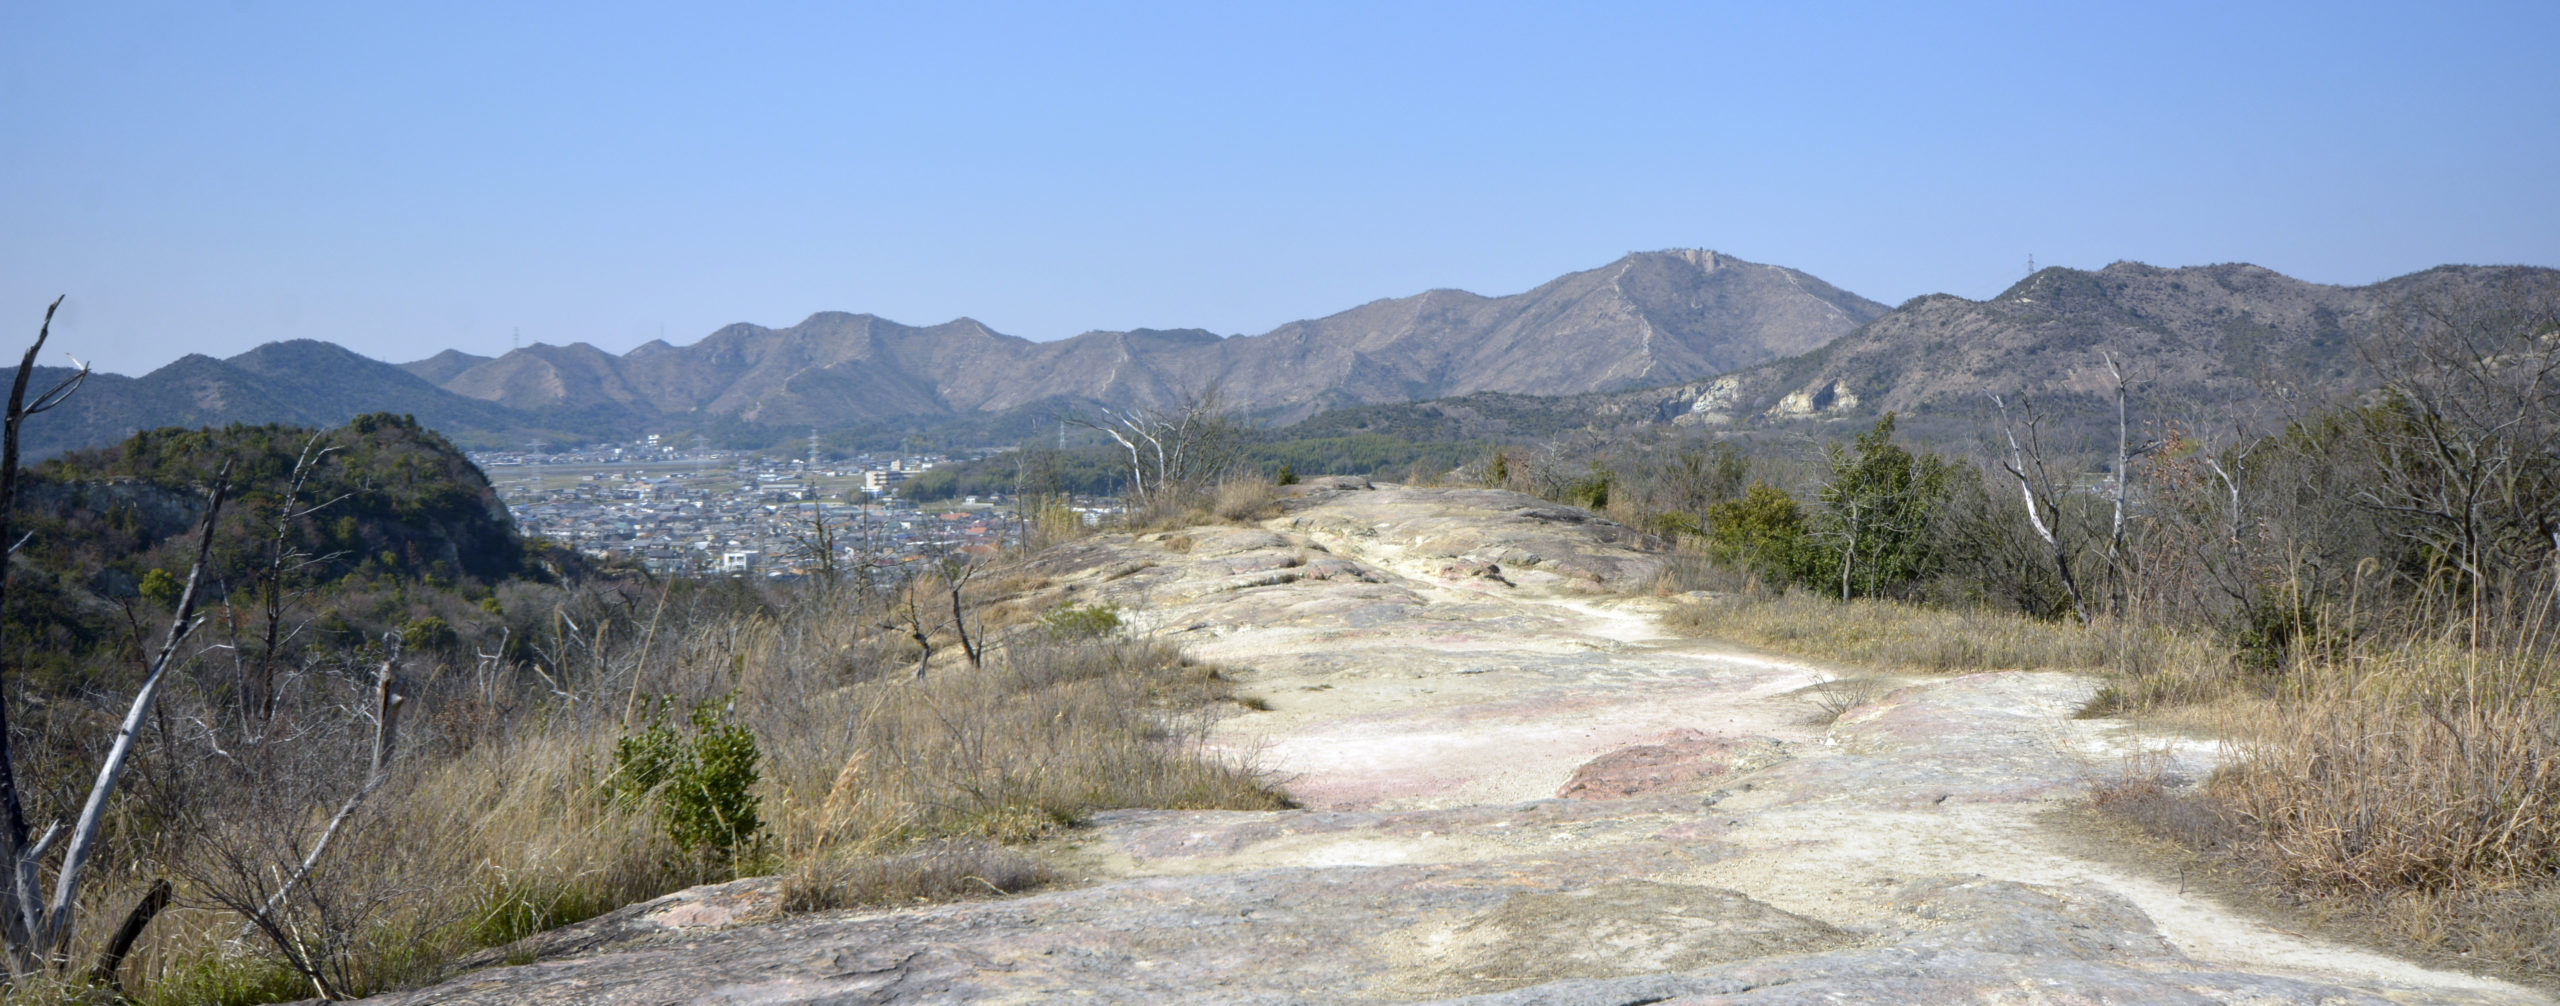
[1763,532]
[431,633]
[701,785]
[1088,621]
[160,588]
[1591,492]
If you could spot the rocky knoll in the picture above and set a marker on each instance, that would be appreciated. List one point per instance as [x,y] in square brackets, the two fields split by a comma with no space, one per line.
[1514,791]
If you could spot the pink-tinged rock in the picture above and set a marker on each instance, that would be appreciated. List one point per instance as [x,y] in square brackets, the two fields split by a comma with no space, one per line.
[1683,760]
[1462,569]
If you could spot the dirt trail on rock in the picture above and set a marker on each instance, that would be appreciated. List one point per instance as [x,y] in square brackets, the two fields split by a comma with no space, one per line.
[1440,666]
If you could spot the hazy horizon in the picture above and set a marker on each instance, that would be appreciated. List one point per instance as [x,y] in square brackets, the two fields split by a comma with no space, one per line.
[403,182]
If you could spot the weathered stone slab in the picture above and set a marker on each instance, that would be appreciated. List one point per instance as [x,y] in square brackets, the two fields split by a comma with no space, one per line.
[1440,665]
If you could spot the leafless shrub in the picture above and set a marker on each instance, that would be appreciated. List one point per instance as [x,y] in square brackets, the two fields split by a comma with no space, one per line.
[1834,698]
[1687,567]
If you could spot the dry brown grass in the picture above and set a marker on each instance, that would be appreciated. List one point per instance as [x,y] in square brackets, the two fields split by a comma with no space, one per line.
[945,870]
[2415,788]
[875,788]
[1245,500]
[1050,520]
[1896,636]
[2394,789]
[2403,795]
[2407,767]
[1047,731]
[933,775]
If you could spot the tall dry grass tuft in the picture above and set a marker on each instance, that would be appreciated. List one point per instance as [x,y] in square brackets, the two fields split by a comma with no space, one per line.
[1688,566]
[2402,783]
[1049,520]
[1900,636]
[1050,730]
[1245,499]
[2426,766]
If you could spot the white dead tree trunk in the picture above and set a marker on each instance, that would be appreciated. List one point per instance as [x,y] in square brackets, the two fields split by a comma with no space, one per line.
[2124,459]
[51,934]
[2035,486]
[37,929]
[2126,452]
[20,924]
[1172,452]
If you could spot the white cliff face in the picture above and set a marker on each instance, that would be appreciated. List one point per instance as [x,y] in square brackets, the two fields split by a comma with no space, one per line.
[1714,404]
[1817,400]
[1515,790]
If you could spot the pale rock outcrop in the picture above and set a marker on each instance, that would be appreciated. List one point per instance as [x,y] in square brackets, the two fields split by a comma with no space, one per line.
[1425,724]
[1817,400]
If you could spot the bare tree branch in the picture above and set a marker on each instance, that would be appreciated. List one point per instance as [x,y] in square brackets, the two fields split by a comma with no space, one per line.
[55,937]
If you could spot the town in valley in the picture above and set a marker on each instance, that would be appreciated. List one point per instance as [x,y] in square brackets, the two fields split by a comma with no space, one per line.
[701,511]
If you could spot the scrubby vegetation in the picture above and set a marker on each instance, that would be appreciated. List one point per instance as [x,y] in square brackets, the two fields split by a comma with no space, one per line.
[2361,590]
[401,735]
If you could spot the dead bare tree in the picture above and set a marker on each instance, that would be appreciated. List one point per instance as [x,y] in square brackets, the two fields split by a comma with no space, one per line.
[1174,453]
[956,567]
[911,611]
[945,570]
[37,930]
[276,899]
[2126,452]
[21,928]
[2025,462]
[276,598]
[2465,449]
[814,540]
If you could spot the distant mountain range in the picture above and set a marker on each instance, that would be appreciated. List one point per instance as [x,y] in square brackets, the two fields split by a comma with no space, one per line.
[1647,319]
[304,382]
[1687,336]
[2204,337]
[2203,345]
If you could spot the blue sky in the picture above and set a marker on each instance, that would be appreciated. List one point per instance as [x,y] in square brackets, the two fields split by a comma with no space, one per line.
[210,176]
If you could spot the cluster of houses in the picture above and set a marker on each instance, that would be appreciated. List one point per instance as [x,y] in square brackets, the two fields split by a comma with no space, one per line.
[699,512]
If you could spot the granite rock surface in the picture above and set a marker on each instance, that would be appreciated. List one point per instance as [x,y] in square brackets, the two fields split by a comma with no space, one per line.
[1514,790]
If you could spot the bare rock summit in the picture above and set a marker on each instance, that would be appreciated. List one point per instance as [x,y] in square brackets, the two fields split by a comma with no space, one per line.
[1899,854]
